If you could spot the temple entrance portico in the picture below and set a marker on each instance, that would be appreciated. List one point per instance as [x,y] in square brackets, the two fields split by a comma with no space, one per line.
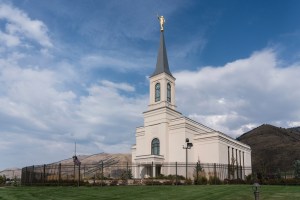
[148,166]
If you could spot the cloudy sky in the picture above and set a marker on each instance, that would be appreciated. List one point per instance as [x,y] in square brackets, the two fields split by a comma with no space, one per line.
[78,70]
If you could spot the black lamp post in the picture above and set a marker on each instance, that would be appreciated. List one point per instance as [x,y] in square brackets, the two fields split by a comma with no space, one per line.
[189,145]
[255,188]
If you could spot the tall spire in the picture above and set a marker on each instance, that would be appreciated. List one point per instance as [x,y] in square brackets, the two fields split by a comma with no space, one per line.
[162,58]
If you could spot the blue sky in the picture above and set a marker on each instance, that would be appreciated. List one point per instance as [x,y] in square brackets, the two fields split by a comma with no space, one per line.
[78,70]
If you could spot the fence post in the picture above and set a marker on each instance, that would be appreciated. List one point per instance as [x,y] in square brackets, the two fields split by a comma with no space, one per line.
[31,174]
[74,173]
[215,170]
[284,174]
[127,172]
[228,171]
[241,172]
[59,173]
[176,172]
[215,173]
[152,172]
[94,178]
[78,175]
[197,168]
[102,173]
[26,178]
[83,172]
[44,174]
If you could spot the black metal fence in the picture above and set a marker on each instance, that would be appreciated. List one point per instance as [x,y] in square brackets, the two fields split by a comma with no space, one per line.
[136,173]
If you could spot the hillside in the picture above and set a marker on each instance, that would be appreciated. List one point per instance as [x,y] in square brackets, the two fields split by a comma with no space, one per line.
[96,158]
[11,173]
[273,148]
[121,159]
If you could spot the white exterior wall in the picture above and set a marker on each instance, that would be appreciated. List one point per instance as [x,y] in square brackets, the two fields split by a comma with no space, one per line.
[140,142]
[176,151]
[223,152]
[207,148]
[156,131]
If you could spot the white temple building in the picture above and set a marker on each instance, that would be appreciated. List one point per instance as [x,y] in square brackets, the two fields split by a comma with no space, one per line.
[162,137]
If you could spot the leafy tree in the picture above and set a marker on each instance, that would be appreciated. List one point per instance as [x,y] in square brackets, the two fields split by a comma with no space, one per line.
[297,168]
[214,180]
[2,179]
[126,174]
[278,174]
[199,175]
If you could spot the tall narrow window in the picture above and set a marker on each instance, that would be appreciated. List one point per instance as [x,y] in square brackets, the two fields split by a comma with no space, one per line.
[157,92]
[169,92]
[155,147]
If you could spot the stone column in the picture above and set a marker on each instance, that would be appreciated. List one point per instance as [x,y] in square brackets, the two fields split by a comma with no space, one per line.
[153,170]
[237,165]
[244,163]
[232,163]
[240,166]
[137,171]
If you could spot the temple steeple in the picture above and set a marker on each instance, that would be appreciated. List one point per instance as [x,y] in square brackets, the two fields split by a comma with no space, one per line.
[162,82]
[162,64]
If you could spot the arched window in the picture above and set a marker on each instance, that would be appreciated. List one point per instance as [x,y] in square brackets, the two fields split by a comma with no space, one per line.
[169,92]
[155,146]
[157,92]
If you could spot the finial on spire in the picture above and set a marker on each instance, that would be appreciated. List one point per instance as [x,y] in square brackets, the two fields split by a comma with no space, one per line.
[162,21]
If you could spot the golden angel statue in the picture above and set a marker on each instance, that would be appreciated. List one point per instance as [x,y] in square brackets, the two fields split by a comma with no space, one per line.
[162,21]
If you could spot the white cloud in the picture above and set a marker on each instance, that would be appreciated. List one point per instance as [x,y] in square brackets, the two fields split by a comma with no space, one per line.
[242,94]
[41,116]
[121,86]
[9,40]
[116,61]
[19,25]
[100,61]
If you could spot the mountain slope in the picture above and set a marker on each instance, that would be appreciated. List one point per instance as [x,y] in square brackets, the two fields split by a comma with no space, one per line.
[273,148]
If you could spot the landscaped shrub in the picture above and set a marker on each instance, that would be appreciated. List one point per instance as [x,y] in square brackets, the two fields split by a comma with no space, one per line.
[152,182]
[188,181]
[114,183]
[249,178]
[202,180]
[199,175]
[214,180]
[169,182]
[291,181]
[297,168]
[102,183]
[234,181]
[137,182]
[126,174]
[178,183]
[274,182]
[161,176]
[170,177]
[2,180]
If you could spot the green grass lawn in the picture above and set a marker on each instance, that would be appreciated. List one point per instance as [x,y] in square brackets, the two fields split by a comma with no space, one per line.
[213,192]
